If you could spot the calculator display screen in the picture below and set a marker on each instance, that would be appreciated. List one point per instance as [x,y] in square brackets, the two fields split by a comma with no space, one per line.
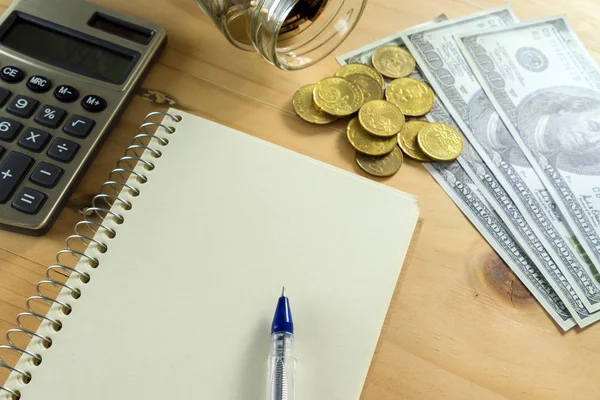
[68,51]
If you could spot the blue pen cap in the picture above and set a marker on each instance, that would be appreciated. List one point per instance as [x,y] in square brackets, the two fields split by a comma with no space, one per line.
[282,321]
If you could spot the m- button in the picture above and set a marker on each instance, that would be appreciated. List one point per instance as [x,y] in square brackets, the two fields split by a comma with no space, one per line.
[11,74]
[93,103]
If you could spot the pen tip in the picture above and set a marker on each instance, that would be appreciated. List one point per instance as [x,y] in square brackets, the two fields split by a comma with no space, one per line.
[283,292]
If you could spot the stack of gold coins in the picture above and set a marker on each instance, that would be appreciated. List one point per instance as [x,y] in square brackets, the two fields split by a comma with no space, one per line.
[382,120]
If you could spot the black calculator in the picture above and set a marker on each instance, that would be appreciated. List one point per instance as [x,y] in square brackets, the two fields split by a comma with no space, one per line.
[68,68]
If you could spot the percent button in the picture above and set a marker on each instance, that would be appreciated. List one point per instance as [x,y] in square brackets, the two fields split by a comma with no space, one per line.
[50,116]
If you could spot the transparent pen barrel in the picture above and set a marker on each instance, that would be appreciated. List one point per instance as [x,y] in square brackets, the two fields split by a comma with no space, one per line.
[281,367]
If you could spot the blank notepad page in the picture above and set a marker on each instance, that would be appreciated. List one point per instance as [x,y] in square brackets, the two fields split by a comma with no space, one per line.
[181,304]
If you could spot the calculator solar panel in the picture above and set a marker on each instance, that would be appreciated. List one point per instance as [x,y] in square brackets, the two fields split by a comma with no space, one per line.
[68,69]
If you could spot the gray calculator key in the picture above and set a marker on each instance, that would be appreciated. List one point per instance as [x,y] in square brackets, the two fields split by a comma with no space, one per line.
[79,126]
[50,116]
[22,106]
[12,170]
[63,150]
[46,175]
[9,128]
[4,95]
[34,139]
[29,201]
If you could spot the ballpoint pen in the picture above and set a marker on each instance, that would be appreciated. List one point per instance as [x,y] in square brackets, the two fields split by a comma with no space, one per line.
[281,358]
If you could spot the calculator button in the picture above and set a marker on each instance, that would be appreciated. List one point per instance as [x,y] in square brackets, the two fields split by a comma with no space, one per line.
[34,139]
[2,150]
[22,106]
[66,93]
[46,175]
[4,95]
[12,170]
[39,84]
[9,129]
[79,126]
[29,201]
[93,103]
[11,74]
[63,150]
[50,116]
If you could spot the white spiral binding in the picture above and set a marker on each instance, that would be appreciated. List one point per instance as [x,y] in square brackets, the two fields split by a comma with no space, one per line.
[101,209]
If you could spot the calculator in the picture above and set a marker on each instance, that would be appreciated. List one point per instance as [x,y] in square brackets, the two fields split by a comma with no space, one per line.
[68,69]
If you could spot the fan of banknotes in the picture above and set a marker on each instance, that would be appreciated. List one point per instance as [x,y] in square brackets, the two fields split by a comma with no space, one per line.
[525,97]
[380,132]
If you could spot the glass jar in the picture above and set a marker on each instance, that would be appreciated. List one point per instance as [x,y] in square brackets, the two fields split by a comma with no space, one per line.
[290,34]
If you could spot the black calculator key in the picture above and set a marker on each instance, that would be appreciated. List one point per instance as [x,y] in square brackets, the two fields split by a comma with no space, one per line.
[34,139]
[46,175]
[50,116]
[9,129]
[93,103]
[63,150]
[11,74]
[66,93]
[39,84]
[29,201]
[12,170]
[2,150]
[79,126]
[4,95]
[22,106]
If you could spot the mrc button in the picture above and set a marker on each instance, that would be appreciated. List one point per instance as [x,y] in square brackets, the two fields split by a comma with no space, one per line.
[11,74]
[39,84]
[93,103]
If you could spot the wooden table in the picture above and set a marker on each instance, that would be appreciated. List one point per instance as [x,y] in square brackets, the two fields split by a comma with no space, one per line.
[461,326]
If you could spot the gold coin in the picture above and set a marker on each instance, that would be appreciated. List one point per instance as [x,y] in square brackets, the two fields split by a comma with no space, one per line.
[381,118]
[362,69]
[412,97]
[337,96]
[381,166]
[369,86]
[364,142]
[303,106]
[407,140]
[440,142]
[393,62]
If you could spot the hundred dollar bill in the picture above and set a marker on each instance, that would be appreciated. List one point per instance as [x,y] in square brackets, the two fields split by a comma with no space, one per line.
[465,194]
[546,89]
[521,233]
[440,114]
[510,182]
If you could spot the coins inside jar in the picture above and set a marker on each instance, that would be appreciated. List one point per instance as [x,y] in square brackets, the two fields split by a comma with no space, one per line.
[337,96]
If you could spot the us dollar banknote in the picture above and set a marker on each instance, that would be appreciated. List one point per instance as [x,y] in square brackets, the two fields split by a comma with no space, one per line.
[521,233]
[546,89]
[508,249]
[465,194]
[510,181]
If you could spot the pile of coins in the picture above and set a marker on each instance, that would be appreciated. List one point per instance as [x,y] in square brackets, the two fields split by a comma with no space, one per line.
[381,130]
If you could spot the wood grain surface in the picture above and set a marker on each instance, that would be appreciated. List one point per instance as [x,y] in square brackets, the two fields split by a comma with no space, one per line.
[461,326]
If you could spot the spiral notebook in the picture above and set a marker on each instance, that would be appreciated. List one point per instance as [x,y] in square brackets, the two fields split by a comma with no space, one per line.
[208,228]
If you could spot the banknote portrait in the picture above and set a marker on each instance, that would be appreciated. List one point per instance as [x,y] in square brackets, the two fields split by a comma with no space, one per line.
[563,124]
[491,132]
